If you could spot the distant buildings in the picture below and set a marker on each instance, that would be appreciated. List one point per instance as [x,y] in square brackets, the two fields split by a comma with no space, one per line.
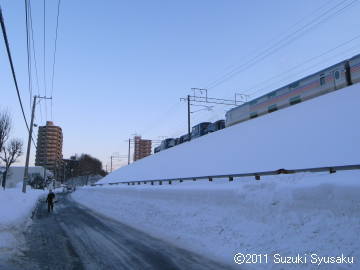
[49,148]
[142,148]
[15,175]
[70,167]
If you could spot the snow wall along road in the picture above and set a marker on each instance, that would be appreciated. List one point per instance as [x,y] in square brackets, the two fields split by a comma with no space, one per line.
[324,131]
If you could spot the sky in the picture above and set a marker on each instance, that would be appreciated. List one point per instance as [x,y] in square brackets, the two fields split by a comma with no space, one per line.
[122,66]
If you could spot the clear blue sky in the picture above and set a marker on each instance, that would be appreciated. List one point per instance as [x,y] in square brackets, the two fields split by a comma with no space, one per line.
[123,65]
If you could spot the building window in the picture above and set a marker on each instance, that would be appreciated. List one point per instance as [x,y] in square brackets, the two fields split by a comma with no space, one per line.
[295,100]
[337,75]
[272,108]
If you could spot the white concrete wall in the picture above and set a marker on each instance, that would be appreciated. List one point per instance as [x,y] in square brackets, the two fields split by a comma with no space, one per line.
[320,132]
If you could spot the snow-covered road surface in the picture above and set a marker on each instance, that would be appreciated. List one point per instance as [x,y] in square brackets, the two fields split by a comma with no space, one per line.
[74,237]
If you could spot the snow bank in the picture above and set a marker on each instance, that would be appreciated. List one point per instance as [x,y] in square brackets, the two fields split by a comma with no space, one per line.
[286,214]
[15,210]
[316,133]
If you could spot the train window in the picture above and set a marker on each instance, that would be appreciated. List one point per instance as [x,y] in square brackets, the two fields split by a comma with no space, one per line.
[253,115]
[271,95]
[294,85]
[253,102]
[337,75]
[295,100]
[322,79]
[272,108]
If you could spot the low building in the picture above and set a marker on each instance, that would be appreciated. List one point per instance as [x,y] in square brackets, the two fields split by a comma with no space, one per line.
[15,174]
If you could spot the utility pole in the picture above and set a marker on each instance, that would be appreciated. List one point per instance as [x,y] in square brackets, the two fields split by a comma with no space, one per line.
[26,171]
[115,155]
[64,172]
[129,152]
[188,101]
[111,163]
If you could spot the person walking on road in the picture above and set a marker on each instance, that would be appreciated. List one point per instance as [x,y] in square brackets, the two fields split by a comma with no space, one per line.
[50,201]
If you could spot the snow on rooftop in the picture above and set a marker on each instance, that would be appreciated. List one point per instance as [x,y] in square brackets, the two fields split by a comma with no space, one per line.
[319,132]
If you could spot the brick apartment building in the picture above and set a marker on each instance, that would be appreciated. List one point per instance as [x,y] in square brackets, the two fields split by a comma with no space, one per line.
[49,147]
[142,148]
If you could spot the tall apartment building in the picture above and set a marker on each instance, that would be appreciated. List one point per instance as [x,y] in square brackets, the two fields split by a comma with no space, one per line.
[49,147]
[142,148]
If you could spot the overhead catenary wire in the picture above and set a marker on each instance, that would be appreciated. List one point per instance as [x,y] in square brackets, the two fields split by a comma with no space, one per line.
[54,57]
[329,12]
[305,71]
[3,28]
[286,32]
[297,23]
[332,11]
[300,65]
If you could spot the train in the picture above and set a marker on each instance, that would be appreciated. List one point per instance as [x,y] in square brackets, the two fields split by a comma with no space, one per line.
[198,130]
[325,81]
[330,79]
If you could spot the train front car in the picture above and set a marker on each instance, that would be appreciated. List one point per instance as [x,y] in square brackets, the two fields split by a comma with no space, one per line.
[354,65]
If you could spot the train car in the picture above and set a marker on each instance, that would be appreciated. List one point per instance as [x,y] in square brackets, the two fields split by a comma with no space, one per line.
[184,138]
[199,130]
[219,124]
[354,66]
[167,143]
[322,82]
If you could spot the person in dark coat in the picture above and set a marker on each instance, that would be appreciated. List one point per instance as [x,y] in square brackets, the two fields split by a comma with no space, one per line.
[50,200]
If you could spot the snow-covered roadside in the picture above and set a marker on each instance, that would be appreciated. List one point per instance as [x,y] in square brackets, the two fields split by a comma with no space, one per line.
[287,214]
[15,212]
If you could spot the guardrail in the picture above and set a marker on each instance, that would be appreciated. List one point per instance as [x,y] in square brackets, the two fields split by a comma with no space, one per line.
[257,175]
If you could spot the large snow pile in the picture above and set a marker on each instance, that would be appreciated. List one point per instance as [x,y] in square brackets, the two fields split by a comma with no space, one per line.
[286,215]
[319,132]
[290,215]
[15,211]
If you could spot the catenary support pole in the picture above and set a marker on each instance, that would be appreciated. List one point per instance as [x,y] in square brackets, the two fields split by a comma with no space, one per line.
[188,100]
[129,153]
[111,163]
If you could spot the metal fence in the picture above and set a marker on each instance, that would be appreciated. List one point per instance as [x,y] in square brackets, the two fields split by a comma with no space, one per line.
[231,177]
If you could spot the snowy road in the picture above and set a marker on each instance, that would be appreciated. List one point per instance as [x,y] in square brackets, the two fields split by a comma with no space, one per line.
[74,237]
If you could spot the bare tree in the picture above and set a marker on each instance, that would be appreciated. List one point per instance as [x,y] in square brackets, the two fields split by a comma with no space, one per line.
[5,127]
[9,155]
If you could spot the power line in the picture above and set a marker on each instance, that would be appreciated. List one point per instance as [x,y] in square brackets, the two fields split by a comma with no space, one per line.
[283,42]
[53,68]
[44,54]
[13,70]
[28,50]
[34,56]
